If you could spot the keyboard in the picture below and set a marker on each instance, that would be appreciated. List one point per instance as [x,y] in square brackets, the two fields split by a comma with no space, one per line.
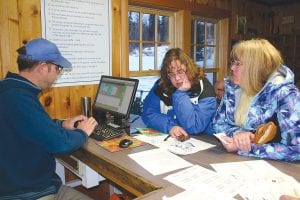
[106,132]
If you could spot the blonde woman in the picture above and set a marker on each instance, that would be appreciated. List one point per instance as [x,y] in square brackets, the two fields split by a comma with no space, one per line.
[260,90]
[182,101]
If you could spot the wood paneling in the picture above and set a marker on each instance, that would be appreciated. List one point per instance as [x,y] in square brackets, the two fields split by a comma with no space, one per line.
[224,48]
[177,5]
[183,30]
[279,12]
[120,40]
[20,21]
[29,19]
[9,36]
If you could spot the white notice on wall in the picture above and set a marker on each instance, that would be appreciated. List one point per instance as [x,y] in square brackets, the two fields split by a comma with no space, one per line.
[81,30]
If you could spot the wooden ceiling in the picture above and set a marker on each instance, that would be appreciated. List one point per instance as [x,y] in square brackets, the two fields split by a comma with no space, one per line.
[277,2]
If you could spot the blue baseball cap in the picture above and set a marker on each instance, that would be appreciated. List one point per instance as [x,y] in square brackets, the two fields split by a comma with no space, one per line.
[43,50]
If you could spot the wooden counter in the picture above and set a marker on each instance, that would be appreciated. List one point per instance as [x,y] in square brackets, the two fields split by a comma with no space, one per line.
[126,173]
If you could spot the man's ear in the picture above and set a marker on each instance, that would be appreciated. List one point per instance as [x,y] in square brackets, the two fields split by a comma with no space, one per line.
[41,67]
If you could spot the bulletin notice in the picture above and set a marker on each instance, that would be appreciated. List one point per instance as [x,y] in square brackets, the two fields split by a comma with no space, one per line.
[81,30]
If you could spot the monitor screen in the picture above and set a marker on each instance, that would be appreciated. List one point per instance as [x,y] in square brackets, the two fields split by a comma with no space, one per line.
[115,95]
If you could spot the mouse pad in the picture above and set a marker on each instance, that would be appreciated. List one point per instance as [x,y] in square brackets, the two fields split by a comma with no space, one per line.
[112,145]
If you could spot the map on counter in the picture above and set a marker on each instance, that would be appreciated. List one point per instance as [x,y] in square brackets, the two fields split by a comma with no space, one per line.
[158,139]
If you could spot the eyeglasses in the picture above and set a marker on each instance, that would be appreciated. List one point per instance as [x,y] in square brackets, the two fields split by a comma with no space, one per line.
[58,67]
[180,73]
[236,63]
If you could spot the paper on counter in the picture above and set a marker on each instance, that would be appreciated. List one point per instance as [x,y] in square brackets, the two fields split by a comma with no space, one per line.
[247,170]
[269,189]
[199,177]
[159,161]
[186,147]
[219,136]
[260,179]
[199,193]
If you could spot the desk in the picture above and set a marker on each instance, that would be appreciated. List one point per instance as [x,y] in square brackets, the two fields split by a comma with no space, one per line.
[124,172]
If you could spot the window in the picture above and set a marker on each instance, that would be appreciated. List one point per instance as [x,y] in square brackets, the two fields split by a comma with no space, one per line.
[151,34]
[150,37]
[204,45]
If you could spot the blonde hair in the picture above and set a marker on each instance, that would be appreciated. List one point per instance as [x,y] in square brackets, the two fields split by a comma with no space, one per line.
[260,59]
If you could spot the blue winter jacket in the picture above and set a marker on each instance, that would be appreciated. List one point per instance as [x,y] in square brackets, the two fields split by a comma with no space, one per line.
[278,102]
[193,110]
[29,141]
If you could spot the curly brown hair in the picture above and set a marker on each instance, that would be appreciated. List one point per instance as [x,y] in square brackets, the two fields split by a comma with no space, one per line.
[192,71]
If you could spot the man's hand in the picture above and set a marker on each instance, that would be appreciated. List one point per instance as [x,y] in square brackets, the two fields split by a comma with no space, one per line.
[85,124]
[70,123]
[178,133]
[88,125]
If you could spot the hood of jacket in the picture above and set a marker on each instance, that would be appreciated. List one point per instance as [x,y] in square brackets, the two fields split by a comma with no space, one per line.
[284,76]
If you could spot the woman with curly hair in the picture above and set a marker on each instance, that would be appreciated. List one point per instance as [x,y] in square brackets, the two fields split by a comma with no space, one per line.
[182,101]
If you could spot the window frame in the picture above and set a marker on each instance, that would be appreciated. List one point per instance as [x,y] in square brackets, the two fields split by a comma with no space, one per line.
[216,68]
[171,42]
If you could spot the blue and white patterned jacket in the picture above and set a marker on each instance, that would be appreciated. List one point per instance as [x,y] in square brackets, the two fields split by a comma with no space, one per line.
[276,100]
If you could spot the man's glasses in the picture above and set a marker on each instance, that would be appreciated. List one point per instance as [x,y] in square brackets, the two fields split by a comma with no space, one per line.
[58,67]
[180,73]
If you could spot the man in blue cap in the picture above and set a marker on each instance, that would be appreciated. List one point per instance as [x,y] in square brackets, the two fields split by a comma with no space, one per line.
[29,137]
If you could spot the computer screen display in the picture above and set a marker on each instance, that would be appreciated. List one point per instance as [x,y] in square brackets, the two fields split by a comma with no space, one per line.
[115,95]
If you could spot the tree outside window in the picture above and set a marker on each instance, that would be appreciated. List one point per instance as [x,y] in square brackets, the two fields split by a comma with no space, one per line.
[150,36]
[149,40]
[204,45]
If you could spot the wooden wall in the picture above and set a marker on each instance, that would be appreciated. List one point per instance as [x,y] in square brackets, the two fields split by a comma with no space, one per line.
[20,21]
[279,13]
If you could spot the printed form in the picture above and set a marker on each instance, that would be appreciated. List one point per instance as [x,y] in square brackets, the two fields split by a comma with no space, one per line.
[199,179]
[259,179]
[186,147]
[159,161]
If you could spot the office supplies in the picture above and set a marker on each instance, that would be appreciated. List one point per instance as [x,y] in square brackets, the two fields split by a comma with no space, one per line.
[112,145]
[76,123]
[220,137]
[186,147]
[151,159]
[105,132]
[86,106]
[112,106]
[166,138]
[260,179]
[154,187]
[150,132]
[125,143]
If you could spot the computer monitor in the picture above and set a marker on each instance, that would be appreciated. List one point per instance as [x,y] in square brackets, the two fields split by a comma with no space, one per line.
[115,96]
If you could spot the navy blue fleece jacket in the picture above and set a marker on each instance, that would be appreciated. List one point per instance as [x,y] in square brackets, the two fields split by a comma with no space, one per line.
[29,139]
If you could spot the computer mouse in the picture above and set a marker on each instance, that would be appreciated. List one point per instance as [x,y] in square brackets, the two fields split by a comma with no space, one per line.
[125,143]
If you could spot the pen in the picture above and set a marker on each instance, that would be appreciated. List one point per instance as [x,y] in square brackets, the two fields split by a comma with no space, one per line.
[192,144]
[167,137]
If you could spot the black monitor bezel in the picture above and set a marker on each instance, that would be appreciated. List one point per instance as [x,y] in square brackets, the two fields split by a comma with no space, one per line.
[117,114]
